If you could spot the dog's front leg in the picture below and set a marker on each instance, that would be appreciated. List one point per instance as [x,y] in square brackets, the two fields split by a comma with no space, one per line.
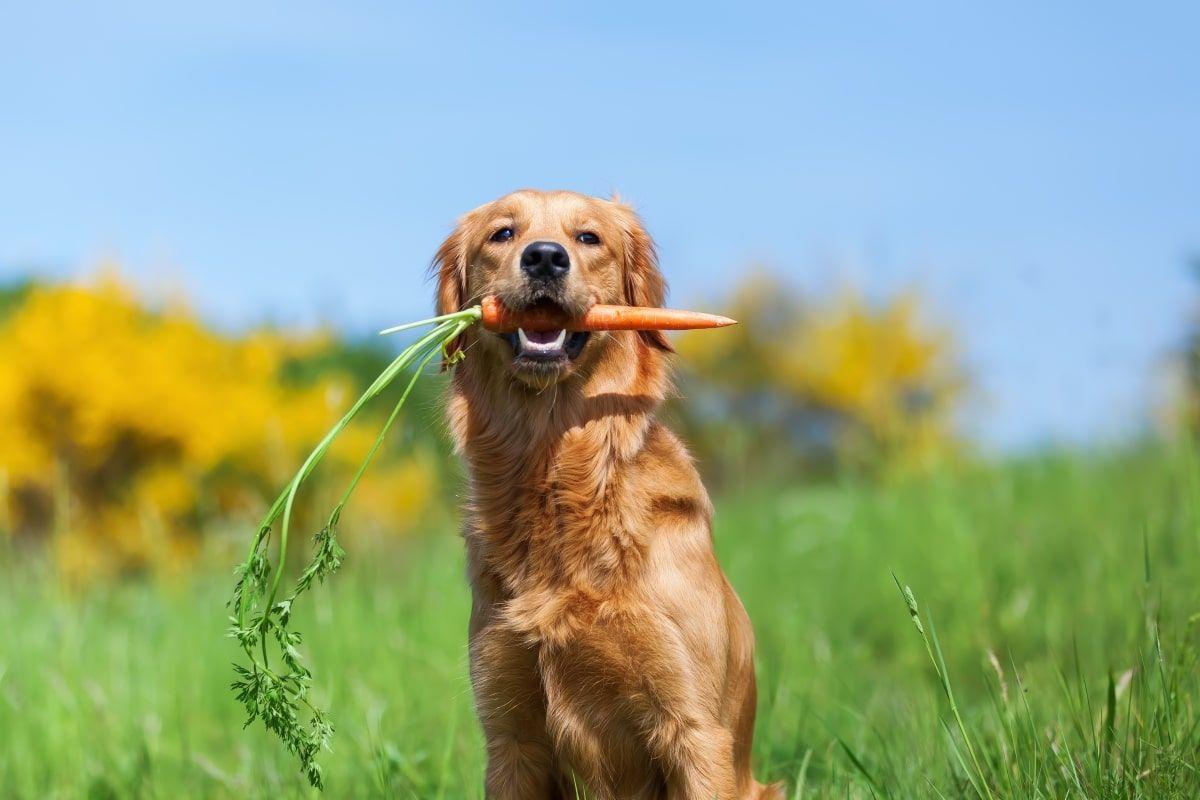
[521,763]
[519,768]
[699,765]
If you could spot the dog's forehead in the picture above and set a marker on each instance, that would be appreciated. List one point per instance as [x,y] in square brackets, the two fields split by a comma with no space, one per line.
[542,207]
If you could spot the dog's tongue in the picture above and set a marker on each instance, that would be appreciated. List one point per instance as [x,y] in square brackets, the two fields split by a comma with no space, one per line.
[541,337]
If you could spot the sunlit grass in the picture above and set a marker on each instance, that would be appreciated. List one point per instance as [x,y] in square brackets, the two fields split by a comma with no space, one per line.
[1072,667]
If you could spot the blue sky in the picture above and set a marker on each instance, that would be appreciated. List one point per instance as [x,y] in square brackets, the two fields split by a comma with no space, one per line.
[1033,167]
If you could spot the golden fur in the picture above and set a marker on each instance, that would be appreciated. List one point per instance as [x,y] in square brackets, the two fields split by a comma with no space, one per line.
[605,642]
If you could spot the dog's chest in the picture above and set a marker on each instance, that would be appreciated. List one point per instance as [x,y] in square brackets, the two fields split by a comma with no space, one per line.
[547,534]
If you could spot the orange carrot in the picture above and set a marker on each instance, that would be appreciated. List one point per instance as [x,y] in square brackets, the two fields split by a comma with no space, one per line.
[499,319]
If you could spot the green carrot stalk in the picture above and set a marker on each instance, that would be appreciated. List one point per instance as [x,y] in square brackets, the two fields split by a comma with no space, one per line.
[277,693]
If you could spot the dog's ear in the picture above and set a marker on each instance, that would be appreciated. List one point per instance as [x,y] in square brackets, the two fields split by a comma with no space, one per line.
[449,270]
[644,282]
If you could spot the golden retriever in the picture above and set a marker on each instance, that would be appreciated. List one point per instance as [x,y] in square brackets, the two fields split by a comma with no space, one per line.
[606,646]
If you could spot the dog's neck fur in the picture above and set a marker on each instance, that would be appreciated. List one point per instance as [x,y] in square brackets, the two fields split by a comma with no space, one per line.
[546,504]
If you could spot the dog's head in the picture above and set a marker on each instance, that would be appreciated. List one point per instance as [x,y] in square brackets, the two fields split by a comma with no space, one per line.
[558,249]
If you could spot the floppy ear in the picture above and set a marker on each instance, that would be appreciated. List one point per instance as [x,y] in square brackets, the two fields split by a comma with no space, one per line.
[644,283]
[449,269]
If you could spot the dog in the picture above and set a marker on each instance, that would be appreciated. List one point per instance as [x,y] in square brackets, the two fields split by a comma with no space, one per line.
[607,647]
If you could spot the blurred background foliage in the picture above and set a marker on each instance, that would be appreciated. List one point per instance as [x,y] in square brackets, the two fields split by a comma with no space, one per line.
[134,430]
[1183,403]
[820,382]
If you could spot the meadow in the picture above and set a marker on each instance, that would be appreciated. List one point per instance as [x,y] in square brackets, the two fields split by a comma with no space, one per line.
[1057,595]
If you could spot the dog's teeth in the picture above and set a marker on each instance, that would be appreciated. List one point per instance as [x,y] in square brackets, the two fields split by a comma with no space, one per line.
[538,343]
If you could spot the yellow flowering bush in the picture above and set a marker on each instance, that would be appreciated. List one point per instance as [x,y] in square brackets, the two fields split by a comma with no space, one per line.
[126,428]
[839,376]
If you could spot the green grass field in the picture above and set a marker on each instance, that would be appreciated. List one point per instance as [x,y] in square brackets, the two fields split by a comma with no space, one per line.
[1073,672]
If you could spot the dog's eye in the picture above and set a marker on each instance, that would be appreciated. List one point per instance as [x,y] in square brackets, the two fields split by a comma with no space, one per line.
[502,235]
[587,237]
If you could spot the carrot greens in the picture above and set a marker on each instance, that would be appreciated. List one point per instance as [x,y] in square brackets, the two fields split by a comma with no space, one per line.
[272,681]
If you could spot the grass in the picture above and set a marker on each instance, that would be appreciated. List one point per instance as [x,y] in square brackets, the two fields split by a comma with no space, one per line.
[1055,655]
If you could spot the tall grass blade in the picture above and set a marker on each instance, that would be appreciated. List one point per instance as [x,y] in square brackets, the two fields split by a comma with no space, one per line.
[979,779]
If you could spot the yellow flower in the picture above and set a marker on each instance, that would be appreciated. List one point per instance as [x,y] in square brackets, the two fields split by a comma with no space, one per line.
[145,422]
[888,379]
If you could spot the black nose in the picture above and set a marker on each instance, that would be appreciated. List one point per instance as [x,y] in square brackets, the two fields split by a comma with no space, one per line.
[545,260]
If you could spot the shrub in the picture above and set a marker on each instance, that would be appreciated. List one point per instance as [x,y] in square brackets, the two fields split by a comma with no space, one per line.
[127,427]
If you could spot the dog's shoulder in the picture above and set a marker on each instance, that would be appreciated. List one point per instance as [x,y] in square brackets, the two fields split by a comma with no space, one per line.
[664,478]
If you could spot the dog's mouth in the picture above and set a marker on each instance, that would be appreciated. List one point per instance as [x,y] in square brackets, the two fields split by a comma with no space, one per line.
[545,350]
